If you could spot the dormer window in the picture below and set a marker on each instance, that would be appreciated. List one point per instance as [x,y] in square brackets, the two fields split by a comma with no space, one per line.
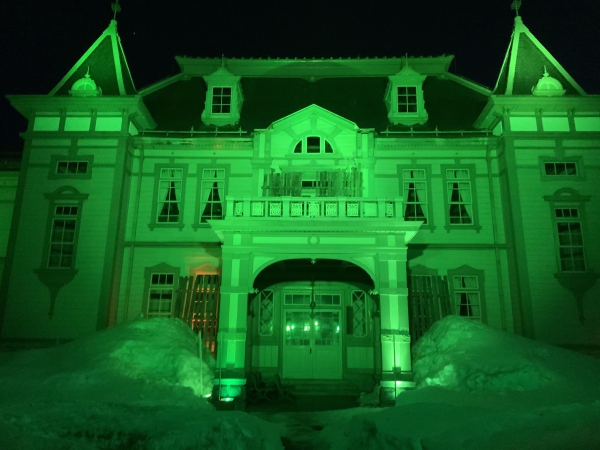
[407,99]
[223,99]
[404,98]
[313,144]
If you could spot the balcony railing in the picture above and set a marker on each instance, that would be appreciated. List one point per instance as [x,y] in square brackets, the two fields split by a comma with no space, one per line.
[314,207]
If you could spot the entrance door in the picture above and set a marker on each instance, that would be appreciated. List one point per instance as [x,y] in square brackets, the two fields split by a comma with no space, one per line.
[312,347]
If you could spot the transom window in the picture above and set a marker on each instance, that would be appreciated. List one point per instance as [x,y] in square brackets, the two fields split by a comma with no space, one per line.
[221,100]
[467,299]
[213,185]
[320,299]
[62,238]
[169,195]
[561,168]
[407,99]
[71,167]
[415,194]
[161,295]
[460,202]
[313,144]
[570,240]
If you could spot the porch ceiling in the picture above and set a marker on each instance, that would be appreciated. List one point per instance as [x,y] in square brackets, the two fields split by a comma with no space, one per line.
[304,270]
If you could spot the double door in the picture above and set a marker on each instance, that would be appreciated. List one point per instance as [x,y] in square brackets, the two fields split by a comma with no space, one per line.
[312,344]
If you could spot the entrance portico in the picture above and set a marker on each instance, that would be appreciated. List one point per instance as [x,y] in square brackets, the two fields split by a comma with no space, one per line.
[369,233]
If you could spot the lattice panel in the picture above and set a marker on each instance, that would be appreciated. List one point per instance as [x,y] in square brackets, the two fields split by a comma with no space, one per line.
[275,209]
[265,324]
[370,209]
[314,209]
[389,209]
[296,209]
[331,209]
[352,209]
[359,314]
[238,209]
[257,209]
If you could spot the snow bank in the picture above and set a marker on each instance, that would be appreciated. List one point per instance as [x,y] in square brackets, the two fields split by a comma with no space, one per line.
[466,355]
[479,388]
[135,386]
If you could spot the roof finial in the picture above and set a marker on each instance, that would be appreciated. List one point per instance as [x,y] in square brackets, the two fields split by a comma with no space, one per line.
[116,9]
[516,4]
[222,60]
[406,59]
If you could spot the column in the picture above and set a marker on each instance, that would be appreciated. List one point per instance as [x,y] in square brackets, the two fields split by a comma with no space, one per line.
[396,365]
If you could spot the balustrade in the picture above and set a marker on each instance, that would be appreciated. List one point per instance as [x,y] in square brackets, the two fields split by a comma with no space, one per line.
[314,207]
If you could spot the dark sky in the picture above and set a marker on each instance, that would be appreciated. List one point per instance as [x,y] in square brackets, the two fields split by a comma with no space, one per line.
[40,40]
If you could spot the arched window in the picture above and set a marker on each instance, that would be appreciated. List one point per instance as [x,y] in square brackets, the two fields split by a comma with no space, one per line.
[313,144]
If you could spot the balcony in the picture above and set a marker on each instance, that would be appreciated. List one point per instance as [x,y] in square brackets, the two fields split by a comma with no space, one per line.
[330,208]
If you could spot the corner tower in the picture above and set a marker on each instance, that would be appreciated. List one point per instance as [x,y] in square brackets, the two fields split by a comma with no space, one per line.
[68,229]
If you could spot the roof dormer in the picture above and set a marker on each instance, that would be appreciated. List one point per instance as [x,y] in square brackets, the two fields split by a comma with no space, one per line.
[223,98]
[404,98]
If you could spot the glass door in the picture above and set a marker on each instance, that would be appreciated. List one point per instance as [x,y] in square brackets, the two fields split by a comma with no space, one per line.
[312,347]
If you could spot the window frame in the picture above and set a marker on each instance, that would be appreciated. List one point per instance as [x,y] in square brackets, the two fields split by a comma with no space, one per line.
[468,271]
[161,268]
[580,176]
[568,198]
[430,225]
[56,159]
[200,203]
[475,224]
[213,96]
[154,223]
[324,145]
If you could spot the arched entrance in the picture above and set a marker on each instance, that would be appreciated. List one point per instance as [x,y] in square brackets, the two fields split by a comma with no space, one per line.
[253,241]
[313,319]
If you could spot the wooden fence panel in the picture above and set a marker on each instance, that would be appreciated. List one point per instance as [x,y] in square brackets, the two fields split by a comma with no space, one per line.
[428,302]
[198,301]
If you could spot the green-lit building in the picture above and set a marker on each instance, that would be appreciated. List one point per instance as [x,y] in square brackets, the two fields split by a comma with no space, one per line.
[310,218]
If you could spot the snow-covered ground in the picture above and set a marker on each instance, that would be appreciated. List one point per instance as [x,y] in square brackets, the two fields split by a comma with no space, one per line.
[142,386]
[134,386]
[479,388]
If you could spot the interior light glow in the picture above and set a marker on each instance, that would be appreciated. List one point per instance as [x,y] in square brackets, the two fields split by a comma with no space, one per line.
[316,324]
[287,328]
[227,399]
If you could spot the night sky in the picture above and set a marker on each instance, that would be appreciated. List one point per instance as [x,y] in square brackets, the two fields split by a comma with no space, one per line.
[41,40]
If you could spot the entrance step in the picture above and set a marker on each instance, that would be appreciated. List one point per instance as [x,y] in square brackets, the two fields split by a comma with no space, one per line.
[300,387]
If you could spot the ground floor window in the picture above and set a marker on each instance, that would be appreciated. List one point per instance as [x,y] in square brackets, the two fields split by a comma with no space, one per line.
[161,295]
[467,301]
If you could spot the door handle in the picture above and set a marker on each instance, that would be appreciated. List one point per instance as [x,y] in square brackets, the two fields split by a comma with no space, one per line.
[310,351]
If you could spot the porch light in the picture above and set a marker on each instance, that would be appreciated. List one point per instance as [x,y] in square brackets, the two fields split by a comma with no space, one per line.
[316,323]
[287,328]
[337,330]
[306,328]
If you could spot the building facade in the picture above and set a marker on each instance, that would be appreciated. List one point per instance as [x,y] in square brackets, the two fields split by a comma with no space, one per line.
[309,218]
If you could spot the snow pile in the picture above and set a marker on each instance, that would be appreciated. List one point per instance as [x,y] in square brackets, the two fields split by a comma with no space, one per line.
[479,388]
[139,385]
[466,355]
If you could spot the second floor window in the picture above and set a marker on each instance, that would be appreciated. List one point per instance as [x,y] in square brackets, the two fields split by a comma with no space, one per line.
[415,194]
[460,203]
[407,99]
[169,195]
[570,240]
[212,192]
[62,237]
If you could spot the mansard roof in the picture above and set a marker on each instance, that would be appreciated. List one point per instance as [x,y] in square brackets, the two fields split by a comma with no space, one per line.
[526,61]
[107,66]
[352,89]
